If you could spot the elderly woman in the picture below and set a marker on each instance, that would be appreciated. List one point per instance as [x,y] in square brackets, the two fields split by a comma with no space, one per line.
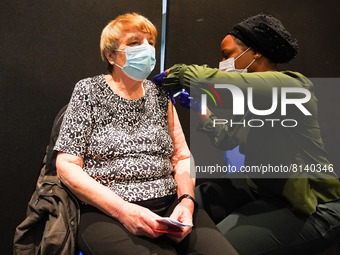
[122,152]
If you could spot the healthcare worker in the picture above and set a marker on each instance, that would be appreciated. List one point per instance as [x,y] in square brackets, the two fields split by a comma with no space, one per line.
[296,209]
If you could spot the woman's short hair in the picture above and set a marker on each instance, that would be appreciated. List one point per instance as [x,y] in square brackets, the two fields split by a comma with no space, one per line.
[111,33]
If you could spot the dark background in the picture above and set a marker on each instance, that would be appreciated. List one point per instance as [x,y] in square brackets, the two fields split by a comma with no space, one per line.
[48,45]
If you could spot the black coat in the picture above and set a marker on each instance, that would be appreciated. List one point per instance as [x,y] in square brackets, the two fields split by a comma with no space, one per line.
[53,212]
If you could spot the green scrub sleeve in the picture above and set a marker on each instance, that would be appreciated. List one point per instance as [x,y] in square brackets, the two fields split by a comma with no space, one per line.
[180,75]
[172,81]
[218,134]
[262,83]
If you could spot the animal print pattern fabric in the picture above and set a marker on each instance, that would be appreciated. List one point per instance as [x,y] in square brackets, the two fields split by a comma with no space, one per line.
[125,144]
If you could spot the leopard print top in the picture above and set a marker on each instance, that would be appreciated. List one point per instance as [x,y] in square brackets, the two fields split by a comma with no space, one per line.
[125,144]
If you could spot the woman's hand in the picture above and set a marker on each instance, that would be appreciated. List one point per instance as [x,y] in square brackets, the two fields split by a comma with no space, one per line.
[183,213]
[140,221]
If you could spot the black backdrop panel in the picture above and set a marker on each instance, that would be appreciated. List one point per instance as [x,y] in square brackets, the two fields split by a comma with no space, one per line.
[46,47]
[197,27]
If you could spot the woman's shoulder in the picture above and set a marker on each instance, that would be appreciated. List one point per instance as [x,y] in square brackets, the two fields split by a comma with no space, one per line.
[155,92]
[90,83]
[298,77]
[293,74]
[149,84]
[283,78]
[155,88]
[98,79]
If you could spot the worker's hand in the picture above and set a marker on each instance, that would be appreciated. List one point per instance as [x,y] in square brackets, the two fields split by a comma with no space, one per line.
[188,101]
[159,78]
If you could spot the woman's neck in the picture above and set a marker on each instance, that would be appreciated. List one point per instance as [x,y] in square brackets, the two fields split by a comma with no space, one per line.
[124,86]
[264,65]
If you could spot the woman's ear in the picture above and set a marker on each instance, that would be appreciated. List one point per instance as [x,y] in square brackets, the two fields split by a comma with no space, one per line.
[257,55]
[110,56]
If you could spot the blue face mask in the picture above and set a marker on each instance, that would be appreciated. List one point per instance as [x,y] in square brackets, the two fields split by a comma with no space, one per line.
[140,61]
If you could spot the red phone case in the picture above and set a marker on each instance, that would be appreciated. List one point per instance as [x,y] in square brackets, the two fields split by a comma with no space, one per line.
[171,228]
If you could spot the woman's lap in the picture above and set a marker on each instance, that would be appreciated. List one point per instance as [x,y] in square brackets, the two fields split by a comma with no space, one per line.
[205,237]
[101,234]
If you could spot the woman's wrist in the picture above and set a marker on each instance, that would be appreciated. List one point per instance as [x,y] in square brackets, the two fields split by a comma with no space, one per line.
[186,196]
[188,204]
[188,201]
[121,211]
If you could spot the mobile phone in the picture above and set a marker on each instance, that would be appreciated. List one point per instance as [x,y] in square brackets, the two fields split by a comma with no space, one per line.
[173,226]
